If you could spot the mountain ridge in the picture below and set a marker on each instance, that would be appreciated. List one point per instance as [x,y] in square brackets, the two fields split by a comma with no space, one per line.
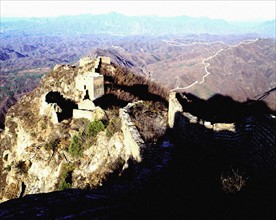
[116,23]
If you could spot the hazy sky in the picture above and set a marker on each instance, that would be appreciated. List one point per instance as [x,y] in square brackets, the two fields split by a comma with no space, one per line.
[229,10]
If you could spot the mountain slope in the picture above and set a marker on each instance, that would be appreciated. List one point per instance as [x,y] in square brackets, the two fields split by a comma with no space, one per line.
[242,70]
[44,148]
[54,139]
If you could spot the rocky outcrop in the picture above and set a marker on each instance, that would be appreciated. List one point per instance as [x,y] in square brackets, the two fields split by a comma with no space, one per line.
[44,148]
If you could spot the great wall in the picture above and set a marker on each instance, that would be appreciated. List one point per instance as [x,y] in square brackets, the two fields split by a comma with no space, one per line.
[247,142]
[251,140]
[90,86]
[132,138]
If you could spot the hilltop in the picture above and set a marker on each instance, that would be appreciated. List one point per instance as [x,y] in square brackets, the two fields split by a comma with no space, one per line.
[66,133]
[116,158]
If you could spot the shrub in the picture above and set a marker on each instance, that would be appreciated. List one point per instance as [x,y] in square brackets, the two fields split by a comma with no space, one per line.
[43,125]
[94,128]
[22,167]
[85,139]
[52,145]
[66,177]
[64,185]
[8,168]
[75,147]
[232,183]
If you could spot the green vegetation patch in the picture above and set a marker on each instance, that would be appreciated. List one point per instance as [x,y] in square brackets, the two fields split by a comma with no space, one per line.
[75,148]
[66,177]
[94,128]
[84,139]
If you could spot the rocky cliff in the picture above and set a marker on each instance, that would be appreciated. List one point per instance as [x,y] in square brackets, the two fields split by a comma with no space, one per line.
[44,148]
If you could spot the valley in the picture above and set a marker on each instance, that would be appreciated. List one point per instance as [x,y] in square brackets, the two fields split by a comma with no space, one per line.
[205,68]
[201,64]
[116,117]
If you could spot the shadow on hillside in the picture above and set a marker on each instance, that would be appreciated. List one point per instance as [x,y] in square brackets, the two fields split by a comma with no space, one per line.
[108,100]
[66,105]
[142,92]
[250,143]
[191,185]
[221,108]
[123,87]
[121,95]
[188,187]
[191,188]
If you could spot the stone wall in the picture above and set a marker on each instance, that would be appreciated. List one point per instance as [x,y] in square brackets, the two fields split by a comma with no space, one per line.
[174,106]
[96,114]
[105,60]
[251,139]
[87,60]
[86,83]
[86,105]
[132,138]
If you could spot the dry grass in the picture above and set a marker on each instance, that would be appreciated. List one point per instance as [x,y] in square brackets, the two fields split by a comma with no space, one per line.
[232,183]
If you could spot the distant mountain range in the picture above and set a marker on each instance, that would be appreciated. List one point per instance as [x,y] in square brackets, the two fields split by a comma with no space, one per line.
[173,51]
[119,24]
[243,70]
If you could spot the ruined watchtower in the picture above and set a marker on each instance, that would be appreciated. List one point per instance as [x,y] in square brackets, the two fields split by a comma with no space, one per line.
[91,84]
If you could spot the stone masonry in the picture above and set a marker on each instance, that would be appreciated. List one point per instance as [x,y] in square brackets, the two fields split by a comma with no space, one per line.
[91,84]
[252,138]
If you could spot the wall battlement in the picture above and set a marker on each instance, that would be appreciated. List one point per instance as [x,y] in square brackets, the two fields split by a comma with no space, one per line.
[251,138]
